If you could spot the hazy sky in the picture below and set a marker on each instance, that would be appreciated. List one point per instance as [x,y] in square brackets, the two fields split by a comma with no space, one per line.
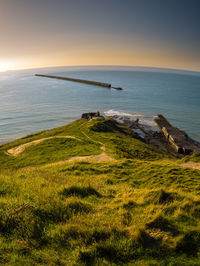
[158,33]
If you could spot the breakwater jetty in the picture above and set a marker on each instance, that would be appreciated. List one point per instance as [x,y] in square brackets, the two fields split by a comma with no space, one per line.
[178,139]
[96,83]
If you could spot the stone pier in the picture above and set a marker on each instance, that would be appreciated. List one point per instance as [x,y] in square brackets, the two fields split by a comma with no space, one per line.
[102,84]
[177,138]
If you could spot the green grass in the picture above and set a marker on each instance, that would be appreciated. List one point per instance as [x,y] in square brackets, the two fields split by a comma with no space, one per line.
[121,141]
[141,209]
[50,150]
[193,158]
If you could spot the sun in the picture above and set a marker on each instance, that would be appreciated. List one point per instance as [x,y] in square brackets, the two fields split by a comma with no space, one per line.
[2,68]
[6,65]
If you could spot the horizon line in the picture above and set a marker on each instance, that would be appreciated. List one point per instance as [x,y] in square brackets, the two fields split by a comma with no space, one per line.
[128,66]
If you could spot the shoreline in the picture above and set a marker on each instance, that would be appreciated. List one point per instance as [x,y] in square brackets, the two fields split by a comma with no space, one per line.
[163,135]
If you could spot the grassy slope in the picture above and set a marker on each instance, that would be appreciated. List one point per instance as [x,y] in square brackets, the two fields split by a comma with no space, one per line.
[50,150]
[142,209]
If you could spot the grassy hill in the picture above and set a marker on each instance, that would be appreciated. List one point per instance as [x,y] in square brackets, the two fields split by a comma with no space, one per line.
[91,193]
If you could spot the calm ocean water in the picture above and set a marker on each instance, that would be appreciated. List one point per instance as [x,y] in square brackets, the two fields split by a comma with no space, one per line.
[29,104]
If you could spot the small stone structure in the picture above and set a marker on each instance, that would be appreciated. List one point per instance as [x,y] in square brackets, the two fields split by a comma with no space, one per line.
[90,115]
[176,137]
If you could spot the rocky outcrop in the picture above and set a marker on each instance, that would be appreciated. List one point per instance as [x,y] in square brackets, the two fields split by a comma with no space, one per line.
[90,115]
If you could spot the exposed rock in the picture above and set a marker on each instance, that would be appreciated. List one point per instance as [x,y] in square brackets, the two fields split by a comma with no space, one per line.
[90,115]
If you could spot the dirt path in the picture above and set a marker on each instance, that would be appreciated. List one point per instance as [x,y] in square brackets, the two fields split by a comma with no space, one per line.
[103,147]
[192,165]
[21,148]
[102,157]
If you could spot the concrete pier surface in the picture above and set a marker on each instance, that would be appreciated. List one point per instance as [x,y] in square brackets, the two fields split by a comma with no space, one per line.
[96,83]
[178,139]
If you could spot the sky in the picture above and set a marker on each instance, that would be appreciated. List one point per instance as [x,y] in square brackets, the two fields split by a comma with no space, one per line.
[152,33]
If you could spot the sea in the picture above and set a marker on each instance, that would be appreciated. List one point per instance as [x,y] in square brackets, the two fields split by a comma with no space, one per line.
[29,104]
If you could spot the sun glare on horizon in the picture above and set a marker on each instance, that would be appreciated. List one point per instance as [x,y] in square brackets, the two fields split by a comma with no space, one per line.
[2,67]
[6,65]
[14,64]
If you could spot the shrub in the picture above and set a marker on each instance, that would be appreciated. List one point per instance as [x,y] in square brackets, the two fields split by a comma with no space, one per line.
[80,192]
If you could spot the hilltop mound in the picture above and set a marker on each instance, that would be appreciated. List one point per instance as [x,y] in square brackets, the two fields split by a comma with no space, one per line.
[110,125]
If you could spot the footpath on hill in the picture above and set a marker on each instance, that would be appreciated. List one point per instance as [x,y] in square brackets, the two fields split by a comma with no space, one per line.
[102,157]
